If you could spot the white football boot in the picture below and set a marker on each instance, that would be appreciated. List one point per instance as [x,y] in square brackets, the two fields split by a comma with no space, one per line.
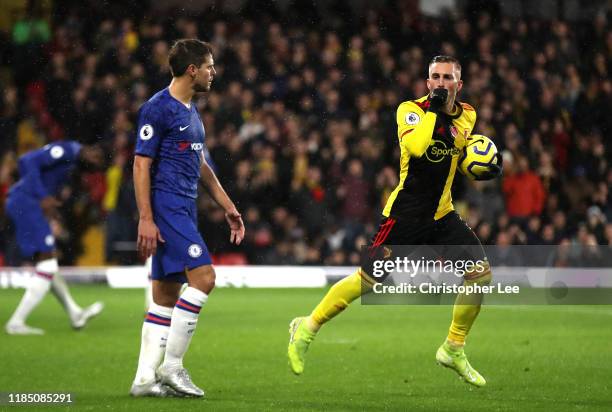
[22,329]
[86,314]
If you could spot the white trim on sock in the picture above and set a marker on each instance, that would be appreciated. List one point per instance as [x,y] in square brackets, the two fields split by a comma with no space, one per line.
[164,311]
[48,266]
[195,296]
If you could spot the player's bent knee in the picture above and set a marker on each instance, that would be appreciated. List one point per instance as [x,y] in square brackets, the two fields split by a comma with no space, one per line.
[202,278]
[210,281]
[481,276]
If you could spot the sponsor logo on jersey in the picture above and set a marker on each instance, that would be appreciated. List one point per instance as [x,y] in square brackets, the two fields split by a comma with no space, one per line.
[184,145]
[438,150]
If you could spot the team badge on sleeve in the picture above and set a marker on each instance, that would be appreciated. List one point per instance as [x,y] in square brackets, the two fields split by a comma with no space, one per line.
[57,152]
[146,132]
[412,118]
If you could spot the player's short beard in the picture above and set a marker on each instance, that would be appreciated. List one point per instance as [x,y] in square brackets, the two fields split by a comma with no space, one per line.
[198,88]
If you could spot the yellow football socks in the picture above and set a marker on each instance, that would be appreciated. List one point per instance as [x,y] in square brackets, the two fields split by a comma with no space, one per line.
[339,297]
[466,308]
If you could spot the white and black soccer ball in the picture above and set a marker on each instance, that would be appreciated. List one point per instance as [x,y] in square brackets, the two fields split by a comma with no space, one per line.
[479,153]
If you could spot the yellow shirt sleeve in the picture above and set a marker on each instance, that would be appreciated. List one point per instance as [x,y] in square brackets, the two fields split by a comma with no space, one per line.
[470,114]
[415,128]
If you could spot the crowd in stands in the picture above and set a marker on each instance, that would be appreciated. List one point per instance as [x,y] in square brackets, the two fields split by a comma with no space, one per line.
[300,122]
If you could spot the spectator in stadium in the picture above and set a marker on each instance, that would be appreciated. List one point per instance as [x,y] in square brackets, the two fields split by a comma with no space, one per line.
[523,191]
[119,204]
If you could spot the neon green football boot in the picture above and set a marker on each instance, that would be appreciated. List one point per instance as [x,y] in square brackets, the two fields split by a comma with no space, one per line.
[299,340]
[457,361]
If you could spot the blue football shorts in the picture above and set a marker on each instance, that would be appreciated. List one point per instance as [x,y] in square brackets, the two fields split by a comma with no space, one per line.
[184,248]
[32,230]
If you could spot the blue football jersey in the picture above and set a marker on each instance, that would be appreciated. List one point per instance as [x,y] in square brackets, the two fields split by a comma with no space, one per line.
[43,171]
[173,136]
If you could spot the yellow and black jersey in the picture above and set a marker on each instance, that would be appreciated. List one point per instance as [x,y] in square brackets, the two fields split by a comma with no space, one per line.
[431,146]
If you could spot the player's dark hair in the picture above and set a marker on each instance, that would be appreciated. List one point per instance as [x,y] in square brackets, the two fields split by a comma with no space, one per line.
[446,59]
[185,52]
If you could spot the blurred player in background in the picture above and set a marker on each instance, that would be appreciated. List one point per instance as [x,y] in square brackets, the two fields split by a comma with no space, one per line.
[168,165]
[31,204]
[432,133]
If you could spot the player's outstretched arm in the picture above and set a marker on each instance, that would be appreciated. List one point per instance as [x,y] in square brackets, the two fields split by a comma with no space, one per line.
[148,233]
[232,216]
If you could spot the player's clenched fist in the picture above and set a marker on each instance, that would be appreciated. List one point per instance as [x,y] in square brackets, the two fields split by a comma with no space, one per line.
[438,99]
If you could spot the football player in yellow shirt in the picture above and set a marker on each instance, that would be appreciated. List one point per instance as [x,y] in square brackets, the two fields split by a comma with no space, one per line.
[432,133]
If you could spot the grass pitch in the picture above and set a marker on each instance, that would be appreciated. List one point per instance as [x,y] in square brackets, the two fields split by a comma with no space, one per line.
[369,358]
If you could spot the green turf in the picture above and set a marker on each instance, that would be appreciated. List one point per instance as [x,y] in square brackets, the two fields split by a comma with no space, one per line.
[371,357]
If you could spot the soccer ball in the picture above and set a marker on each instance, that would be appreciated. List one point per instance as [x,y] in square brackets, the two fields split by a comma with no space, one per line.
[478,154]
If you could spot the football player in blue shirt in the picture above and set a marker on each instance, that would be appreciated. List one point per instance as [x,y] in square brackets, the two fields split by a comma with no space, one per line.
[168,165]
[31,203]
